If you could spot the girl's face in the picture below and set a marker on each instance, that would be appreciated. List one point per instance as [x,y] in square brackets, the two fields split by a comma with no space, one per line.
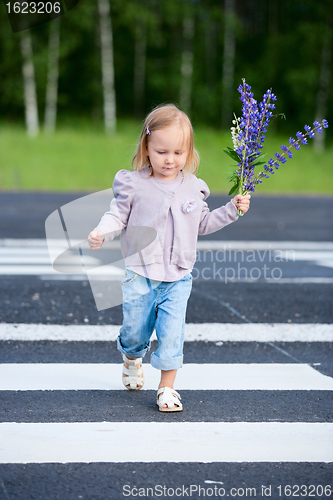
[167,152]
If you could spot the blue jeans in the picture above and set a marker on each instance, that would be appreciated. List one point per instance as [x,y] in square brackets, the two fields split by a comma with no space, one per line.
[149,304]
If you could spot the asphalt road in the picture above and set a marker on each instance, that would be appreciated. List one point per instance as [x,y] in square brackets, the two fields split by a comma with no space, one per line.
[32,300]
[273,218]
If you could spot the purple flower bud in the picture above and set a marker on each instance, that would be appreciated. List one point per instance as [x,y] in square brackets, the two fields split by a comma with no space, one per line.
[252,127]
[319,130]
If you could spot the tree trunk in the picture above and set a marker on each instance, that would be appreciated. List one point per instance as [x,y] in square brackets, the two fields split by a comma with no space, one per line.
[29,83]
[140,65]
[187,64]
[228,61]
[107,66]
[324,86]
[52,77]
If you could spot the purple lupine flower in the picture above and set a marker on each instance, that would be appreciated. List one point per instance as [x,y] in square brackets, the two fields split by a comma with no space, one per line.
[251,130]
[301,138]
[252,127]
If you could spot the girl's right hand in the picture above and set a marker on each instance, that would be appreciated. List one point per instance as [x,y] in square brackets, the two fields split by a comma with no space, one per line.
[96,239]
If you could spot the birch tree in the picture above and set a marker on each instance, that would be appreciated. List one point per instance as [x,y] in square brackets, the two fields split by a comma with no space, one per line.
[109,93]
[187,63]
[52,77]
[29,84]
[228,61]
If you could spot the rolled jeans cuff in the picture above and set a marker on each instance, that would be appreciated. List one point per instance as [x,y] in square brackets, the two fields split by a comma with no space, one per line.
[139,354]
[166,364]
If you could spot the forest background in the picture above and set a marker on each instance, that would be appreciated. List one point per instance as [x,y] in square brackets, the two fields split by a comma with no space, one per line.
[98,70]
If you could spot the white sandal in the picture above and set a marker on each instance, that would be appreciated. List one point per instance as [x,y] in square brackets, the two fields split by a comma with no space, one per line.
[135,378]
[168,397]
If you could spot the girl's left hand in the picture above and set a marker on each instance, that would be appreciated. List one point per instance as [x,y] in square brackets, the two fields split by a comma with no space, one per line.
[242,202]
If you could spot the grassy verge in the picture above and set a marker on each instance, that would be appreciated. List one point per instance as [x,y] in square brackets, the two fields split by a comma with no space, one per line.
[83,158]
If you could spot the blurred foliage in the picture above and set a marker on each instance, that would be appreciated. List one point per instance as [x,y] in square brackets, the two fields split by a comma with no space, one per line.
[278,45]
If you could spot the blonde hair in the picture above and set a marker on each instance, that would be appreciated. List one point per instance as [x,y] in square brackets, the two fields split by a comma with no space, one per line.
[161,117]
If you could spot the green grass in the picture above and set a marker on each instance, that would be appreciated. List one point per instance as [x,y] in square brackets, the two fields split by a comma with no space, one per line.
[82,158]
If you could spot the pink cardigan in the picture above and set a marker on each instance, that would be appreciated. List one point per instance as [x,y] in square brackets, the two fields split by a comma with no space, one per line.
[140,210]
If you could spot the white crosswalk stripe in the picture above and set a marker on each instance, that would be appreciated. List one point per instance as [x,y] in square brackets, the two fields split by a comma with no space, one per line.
[106,377]
[31,257]
[195,442]
[88,442]
[211,332]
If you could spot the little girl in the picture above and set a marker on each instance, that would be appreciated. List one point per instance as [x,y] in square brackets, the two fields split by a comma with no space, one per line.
[162,193]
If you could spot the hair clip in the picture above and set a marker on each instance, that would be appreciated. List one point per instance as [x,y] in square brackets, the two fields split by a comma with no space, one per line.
[148,131]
